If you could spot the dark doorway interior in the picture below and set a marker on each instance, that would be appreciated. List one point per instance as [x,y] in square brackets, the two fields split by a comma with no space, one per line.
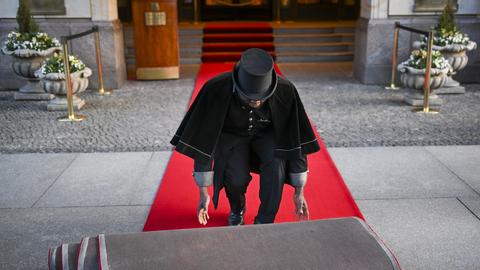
[236,10]
[266,10]
[319,10]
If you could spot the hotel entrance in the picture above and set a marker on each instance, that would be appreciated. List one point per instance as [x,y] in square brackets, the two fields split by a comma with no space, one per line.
[300,30]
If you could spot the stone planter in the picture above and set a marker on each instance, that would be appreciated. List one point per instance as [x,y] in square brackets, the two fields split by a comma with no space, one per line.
[456,55]
[55,83]
[25,63]
[414,78]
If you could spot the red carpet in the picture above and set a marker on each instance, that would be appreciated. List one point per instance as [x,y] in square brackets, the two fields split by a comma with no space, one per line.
[238,27]
[225,42]
[177,197]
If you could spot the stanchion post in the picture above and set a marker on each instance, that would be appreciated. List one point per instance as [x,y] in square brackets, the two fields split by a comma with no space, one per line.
[426,83]
[101,89]
[278,11]
[71,117]
[394,58]
[196,11]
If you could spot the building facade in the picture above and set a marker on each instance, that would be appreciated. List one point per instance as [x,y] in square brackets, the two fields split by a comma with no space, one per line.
[374,19]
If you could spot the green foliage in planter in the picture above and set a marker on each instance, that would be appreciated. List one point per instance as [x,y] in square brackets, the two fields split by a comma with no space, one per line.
[418,60]
[26,23]
[28,35]
[54,64]
[446,31]
[447,19]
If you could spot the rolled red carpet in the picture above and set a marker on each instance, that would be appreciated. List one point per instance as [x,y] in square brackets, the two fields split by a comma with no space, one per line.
[176,202]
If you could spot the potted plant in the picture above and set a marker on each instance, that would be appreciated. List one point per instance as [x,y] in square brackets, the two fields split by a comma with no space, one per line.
[29,47]
[52,75]
[413,75]
[453,44]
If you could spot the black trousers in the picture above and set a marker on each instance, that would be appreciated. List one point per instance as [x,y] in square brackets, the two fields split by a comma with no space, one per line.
[236,174]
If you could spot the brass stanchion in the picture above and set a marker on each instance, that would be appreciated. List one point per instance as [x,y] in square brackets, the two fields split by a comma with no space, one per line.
[71,117]
[101,89]
[277,12]
[196,17]
[394,59]
[426,84]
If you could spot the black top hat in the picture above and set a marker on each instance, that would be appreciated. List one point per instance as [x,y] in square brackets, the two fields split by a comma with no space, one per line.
[254,75]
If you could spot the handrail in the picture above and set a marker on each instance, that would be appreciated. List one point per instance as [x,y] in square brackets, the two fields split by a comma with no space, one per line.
[79,35]
[418,31]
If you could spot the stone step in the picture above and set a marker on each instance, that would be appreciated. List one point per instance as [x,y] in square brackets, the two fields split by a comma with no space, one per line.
[302,57]
[190,51]
[286,57]
[188,61]
[313,30]
[314,47]
[189,31]
[190,40]
[299,38]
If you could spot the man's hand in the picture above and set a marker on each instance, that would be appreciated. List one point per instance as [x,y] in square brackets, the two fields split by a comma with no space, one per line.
[301,206]
[202,209]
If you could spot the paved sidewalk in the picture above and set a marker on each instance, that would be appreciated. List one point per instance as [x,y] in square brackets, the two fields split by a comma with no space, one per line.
[423,201]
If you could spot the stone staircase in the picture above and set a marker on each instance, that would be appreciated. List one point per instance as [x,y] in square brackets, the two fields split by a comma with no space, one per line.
[323,44]
[295,44]
[190,45]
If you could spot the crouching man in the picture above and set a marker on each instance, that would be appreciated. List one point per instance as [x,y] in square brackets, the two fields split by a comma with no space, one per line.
[243,121]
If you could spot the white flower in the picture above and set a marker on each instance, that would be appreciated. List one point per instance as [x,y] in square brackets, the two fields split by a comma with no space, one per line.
[34,41]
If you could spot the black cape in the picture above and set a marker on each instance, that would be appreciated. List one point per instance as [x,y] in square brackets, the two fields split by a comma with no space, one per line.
[200,129]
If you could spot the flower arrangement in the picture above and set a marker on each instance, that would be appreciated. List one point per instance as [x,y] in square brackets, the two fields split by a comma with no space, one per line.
[418,60]
[37,41]
[54,64]
[446,31]
[445,37]
[53,80]
[28,36]
[414,69]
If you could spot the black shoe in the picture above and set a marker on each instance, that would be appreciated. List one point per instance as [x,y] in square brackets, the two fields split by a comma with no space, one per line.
[236,219]
[258,221]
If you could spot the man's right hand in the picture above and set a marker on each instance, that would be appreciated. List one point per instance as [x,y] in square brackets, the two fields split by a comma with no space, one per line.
[202,209]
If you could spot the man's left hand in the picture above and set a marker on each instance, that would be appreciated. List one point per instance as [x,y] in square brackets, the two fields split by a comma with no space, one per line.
[301,206]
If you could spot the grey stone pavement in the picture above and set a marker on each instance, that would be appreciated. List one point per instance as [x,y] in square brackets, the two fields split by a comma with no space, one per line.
[415,177]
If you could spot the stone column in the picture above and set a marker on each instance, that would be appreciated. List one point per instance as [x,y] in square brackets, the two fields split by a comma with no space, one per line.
[374,43]
[105,15]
